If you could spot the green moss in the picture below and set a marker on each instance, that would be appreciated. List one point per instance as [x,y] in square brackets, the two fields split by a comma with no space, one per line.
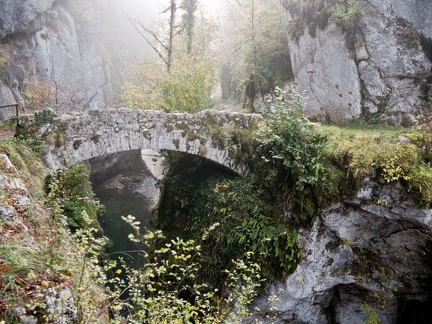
[210,120]
[313,14]
[183,126]
[350,153]
[147,135]
[77,144]
[95,138]
[360,149]
[202,150]
[406,33]
[60,140]
[176,142]
[169,127]
[331,185]
[420,181]
[192,136]
[232,135]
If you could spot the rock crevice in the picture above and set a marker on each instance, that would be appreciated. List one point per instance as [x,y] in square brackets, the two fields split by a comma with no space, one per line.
[367,255]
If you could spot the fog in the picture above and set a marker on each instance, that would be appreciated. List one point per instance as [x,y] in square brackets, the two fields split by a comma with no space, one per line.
[119,31]
[119,34]
[122,45]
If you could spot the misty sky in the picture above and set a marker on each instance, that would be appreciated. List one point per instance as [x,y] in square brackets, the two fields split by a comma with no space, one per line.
[121,32]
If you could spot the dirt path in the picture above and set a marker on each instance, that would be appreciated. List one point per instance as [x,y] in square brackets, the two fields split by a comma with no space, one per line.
[6,134]
[225,105]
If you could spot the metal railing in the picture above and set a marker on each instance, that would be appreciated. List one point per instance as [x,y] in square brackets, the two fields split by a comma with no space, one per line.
[14,105]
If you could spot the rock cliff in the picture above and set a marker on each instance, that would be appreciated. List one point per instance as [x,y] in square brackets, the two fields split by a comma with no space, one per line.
[365,257]
[373,63]
[48,48]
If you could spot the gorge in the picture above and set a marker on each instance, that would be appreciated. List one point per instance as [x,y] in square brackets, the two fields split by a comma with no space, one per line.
[338,215]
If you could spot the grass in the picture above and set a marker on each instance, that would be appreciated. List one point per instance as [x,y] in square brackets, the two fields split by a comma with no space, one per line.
[36,251]
[22,156]
[359,149]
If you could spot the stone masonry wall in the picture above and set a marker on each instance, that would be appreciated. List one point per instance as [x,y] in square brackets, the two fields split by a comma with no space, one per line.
[80,136]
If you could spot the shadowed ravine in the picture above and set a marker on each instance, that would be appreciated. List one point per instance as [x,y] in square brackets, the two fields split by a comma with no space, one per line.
[125,186]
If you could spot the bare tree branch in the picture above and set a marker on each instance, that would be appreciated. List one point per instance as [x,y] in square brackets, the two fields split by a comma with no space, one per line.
[158,52]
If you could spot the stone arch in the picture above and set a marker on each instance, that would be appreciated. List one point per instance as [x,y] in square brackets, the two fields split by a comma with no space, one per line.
[80,136]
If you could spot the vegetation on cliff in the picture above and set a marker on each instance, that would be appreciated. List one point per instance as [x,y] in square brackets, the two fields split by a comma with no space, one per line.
[231,228]
[45,273]
[53,265]
[299,169]
[313,14]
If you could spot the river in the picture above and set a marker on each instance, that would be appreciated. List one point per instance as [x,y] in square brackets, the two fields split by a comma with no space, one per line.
[126,185]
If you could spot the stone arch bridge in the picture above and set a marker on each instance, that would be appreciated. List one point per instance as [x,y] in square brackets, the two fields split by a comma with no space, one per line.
[219,136]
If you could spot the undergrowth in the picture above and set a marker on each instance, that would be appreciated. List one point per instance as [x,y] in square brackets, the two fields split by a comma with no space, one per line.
[232,229]
[38,256]
[23,154]
[201,196]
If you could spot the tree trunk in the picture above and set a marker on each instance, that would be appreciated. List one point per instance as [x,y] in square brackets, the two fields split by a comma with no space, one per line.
[173,9]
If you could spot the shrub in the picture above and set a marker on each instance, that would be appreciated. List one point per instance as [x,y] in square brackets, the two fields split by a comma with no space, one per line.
[168,288]
[420,181]
[199,196]
[423,135]
[317,13]
[290,148]
[246,223]
[44,93]
[71,190]
[347,14]
[186,88]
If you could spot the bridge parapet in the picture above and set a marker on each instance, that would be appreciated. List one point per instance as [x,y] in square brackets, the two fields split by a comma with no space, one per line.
[220,136]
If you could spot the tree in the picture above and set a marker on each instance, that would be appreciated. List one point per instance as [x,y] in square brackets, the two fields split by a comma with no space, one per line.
[260,47]
[187,85]
[189,7]
[164,46]
[161,46]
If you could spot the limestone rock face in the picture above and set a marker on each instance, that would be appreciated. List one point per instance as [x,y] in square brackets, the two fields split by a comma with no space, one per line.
[14,197]
[366,256]
[53,43]
[384,73]
[22,16]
